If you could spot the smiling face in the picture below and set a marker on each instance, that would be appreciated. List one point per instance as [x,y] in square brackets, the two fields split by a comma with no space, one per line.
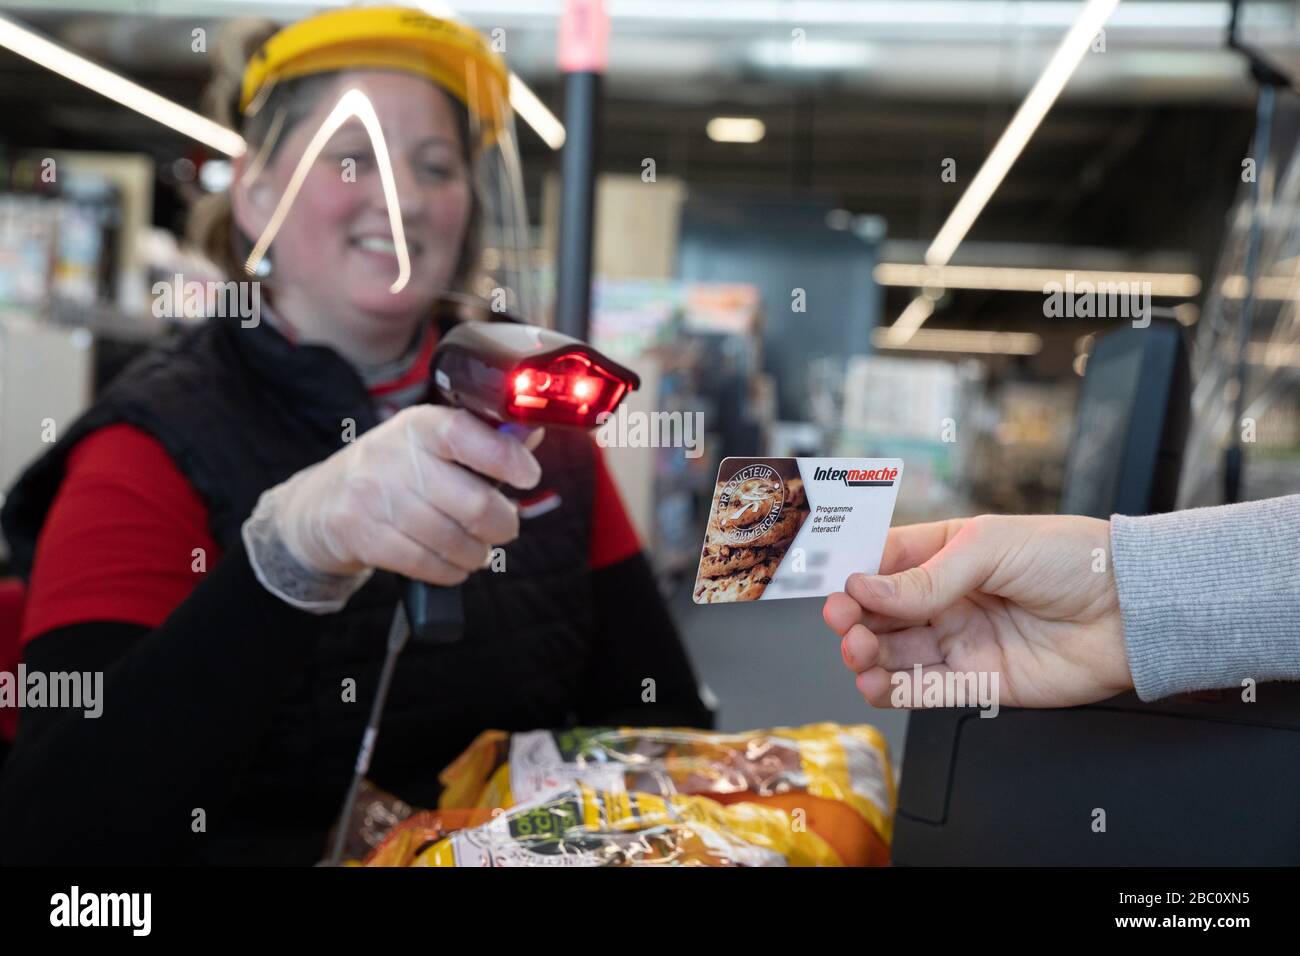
[334,256]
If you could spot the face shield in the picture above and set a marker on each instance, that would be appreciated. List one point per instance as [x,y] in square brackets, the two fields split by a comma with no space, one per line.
[383,171]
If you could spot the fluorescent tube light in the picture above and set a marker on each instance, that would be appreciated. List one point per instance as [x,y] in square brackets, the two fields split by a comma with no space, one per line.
[735,129]
[46,53]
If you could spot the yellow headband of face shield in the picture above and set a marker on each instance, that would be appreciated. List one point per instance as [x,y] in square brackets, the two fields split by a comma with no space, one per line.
[452,55]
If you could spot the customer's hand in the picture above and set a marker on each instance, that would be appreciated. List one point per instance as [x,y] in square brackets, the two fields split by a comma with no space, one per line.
[1032,598]
[405,497]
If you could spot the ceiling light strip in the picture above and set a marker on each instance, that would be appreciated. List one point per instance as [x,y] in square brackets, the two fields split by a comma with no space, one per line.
[31,45]
[1008,148]
[1023,279]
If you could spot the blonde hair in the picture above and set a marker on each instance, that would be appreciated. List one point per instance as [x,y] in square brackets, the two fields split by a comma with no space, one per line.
[210,225]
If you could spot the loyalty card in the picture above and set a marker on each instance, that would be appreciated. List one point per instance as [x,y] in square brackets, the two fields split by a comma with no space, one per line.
[794,527]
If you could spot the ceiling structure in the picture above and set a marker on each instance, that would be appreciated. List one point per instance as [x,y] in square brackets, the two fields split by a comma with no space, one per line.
[863,103]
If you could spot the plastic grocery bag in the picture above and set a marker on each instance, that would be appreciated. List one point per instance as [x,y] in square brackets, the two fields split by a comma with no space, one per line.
[829,778]
[585,827]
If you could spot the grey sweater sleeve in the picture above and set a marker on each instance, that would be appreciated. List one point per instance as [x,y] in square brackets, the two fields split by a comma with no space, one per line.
[1211,596]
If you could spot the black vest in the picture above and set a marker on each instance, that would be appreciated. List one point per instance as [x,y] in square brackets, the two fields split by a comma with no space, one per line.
[240,410]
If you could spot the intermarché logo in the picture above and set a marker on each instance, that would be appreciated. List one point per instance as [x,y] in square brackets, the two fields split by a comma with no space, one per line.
[857,477]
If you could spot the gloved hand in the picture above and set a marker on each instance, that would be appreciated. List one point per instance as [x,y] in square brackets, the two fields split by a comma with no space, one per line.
[403,497]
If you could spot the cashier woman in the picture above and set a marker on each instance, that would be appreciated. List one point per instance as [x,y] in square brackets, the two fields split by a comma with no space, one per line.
[1072,610]
[218,533]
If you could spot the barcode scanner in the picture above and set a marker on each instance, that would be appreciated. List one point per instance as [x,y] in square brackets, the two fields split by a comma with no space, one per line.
[508,373]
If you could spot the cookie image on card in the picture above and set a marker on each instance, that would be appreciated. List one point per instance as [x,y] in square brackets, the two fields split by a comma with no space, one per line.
[780,532]
[720,559]
[794,493]
[756,512]
[751,502]
[746,585]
